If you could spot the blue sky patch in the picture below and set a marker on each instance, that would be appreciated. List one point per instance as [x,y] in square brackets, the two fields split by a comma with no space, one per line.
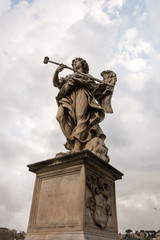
[15,2]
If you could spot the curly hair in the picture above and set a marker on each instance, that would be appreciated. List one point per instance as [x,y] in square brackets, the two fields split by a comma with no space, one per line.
[84,64]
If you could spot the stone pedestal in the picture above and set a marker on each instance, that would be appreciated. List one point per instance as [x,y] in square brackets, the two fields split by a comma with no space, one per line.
[73,199]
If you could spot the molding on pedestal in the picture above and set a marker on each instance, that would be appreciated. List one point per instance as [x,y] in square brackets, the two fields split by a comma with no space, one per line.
[74,199]
[85,157]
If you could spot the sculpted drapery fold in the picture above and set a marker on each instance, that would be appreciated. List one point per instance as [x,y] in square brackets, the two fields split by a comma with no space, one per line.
[82,104]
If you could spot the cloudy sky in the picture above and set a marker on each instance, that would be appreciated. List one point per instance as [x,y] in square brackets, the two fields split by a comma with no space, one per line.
[121,35]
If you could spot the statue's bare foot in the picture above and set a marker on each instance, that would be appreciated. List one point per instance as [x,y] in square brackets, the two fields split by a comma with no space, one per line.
[63,153]
[77,146]
[60,154]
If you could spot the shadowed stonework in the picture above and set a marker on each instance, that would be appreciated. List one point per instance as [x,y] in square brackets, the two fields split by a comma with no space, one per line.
[74,198]
[74,194]
[82,104]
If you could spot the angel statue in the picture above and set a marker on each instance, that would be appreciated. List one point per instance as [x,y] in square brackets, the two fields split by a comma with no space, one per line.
[82,104]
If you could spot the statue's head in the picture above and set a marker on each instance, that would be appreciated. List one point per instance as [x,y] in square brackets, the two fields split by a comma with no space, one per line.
[84,64]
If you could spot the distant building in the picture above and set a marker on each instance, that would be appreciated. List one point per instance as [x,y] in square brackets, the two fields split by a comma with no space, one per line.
[142,235]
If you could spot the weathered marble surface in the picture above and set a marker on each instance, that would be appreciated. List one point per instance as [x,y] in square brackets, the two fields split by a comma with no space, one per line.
[82,104]
[74,198]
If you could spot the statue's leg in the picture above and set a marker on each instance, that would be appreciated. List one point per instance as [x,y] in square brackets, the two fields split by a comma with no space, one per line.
[62,121]
[81,105]
[80,111]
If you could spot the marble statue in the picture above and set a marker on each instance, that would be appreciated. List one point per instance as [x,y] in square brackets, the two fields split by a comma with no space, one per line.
[82,104]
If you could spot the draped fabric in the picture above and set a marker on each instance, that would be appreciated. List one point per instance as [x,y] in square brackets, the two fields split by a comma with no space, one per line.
[80,112]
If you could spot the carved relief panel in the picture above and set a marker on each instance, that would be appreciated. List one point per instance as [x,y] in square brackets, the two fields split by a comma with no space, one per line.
[99,202]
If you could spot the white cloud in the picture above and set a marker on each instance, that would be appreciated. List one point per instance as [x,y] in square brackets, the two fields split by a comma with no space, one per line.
[96,11]
[4,5]
[29,132]
[114,5]
[133,45]
[153,13]
[134,54]
[141,201]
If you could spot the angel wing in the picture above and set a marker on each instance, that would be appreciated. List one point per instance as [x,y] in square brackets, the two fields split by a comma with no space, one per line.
[109,78]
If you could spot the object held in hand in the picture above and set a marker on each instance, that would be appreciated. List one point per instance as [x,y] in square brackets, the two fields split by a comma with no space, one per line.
[46,60]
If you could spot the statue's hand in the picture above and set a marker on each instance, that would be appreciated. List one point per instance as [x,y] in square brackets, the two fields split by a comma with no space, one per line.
[60,68]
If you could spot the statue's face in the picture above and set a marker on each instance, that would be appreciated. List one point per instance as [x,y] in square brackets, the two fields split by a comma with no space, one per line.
[77,64]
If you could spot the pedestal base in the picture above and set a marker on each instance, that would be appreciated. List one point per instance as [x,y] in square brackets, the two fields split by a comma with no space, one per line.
[74,198]
[78,235]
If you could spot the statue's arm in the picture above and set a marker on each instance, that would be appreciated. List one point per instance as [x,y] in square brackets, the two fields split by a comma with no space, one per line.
[56,81]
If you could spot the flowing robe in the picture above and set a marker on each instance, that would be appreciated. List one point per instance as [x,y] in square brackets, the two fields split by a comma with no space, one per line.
[80,111]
